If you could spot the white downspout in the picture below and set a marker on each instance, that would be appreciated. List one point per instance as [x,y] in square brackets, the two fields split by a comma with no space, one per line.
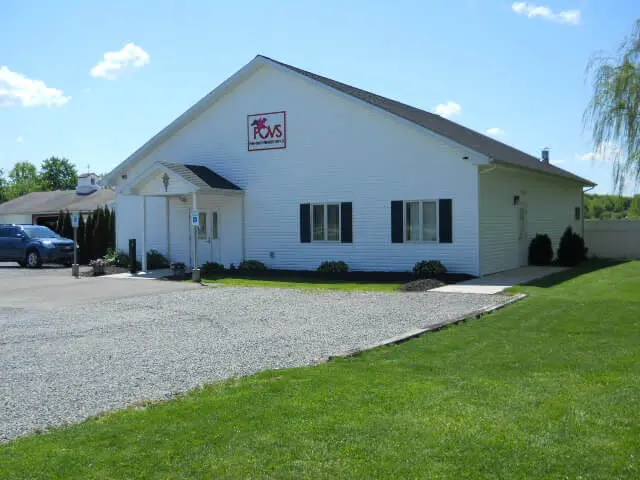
[582,207]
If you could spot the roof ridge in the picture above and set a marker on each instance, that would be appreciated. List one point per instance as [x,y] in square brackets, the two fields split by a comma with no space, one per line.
[492,148]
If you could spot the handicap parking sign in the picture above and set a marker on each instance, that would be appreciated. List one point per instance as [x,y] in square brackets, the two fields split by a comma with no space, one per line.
[75,220]
[195,218]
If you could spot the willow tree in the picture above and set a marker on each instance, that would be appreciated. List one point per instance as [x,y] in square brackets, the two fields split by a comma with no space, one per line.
[613,115]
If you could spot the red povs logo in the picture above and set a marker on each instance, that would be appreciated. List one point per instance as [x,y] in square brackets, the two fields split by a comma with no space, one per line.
[266,131]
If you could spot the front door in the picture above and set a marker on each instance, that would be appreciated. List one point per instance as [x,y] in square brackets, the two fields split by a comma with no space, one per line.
[523,236]
[208,238]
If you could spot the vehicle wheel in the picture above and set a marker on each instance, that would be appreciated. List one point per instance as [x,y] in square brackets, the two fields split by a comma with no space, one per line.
[33,259]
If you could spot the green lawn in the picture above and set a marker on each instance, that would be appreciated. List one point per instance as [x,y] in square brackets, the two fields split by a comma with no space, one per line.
[546,388]
[306,284]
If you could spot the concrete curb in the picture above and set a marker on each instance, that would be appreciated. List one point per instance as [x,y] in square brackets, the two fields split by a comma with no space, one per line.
[417,332]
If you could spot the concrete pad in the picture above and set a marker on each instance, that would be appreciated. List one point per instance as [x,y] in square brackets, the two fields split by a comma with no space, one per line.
[499,282]
[151,275]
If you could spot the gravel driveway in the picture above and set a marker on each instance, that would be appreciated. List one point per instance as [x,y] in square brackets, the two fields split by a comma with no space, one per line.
[59,366]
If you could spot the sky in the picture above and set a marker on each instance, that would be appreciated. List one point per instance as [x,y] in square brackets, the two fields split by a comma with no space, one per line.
[93,81]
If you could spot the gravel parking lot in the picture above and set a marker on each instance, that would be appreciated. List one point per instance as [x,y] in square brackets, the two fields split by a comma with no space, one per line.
[64,364]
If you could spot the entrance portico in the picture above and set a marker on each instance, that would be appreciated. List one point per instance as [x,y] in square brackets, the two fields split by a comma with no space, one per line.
[170,193]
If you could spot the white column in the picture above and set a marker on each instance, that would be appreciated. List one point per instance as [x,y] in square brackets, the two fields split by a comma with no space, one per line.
[195,235]
[144,234]
[168,215]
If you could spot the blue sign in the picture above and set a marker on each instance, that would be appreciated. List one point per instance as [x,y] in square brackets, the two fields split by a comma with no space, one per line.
[195,218]
[75,220]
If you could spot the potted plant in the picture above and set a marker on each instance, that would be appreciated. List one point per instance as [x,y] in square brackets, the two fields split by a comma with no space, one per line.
[98,266]
[177,268]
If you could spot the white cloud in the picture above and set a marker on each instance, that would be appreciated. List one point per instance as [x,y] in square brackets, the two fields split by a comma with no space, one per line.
[606,152]
[448,109]
[531,10]
[19,139]
[495,132]
[16,89]
[114,63]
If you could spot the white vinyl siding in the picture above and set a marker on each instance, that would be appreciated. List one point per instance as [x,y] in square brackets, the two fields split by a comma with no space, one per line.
[337,148]
[550,208]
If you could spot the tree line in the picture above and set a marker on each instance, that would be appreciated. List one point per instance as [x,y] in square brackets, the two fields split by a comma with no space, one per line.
[55,174]
[96,235]
[611,207]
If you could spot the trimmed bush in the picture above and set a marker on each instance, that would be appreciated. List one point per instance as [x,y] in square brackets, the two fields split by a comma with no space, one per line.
[421,285]
[156,260]
[333,267]
[212,268]
[429,269]
[540,250]
[118,258]
[571,250]
[252,266]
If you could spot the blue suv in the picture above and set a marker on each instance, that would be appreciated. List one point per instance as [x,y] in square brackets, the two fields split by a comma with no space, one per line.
[33,245]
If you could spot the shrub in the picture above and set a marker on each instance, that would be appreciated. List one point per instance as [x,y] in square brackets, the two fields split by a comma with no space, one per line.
[571,250]
[117,258]
[212,268]
[333,267]
[421,285]
[156,260]
[252,266]
[540,250]
[429,269]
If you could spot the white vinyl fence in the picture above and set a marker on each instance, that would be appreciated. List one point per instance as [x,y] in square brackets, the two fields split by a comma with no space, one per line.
[612,238]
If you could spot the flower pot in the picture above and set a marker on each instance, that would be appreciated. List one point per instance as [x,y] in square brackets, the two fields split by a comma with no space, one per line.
[98,269]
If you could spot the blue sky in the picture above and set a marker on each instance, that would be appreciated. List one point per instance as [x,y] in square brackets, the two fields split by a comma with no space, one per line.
[515,68]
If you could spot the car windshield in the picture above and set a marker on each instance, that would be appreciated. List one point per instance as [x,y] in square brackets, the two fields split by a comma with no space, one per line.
[38,231]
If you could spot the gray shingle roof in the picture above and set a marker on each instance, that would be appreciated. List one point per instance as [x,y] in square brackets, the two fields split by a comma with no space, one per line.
[53,202]
[495,150]
[201,177]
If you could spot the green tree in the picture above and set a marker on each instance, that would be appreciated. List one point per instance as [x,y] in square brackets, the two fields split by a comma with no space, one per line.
[23,179]
[613,114]
[634,209]
[58,174]
[88,238]
[3,187]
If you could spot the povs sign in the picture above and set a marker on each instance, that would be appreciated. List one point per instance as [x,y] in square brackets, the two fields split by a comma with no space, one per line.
[267,131]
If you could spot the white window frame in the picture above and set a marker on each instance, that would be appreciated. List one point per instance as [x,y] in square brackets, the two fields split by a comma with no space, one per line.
[326,222]
[421,217]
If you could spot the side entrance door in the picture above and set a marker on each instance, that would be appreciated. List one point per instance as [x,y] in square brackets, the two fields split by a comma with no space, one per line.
[523,236]
[208,238]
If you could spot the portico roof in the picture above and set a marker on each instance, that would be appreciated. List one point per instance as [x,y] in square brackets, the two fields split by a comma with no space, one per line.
[201,177]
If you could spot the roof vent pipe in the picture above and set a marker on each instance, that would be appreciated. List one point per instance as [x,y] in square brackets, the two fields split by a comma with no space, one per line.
[545,155]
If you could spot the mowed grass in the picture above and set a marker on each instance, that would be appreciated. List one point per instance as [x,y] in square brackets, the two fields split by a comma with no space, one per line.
[546,388]
[307,284]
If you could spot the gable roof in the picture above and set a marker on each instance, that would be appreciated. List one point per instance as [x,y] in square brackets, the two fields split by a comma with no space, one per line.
[53,202]
[496,151]
[201,177]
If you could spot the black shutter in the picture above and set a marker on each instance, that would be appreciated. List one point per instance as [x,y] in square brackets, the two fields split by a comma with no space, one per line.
[346,222]
[305,223]
[397,230]
[446,220]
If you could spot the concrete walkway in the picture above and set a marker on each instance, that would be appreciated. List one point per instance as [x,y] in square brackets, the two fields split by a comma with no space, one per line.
[150,275]
[498,282]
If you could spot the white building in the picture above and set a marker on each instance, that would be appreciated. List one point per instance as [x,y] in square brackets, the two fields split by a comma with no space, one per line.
[42,208]
[290,168]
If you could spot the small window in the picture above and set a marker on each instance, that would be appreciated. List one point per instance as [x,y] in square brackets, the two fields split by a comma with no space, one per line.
[576,213]
[202,229]
[421,221]
[325,222]
[93,181]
